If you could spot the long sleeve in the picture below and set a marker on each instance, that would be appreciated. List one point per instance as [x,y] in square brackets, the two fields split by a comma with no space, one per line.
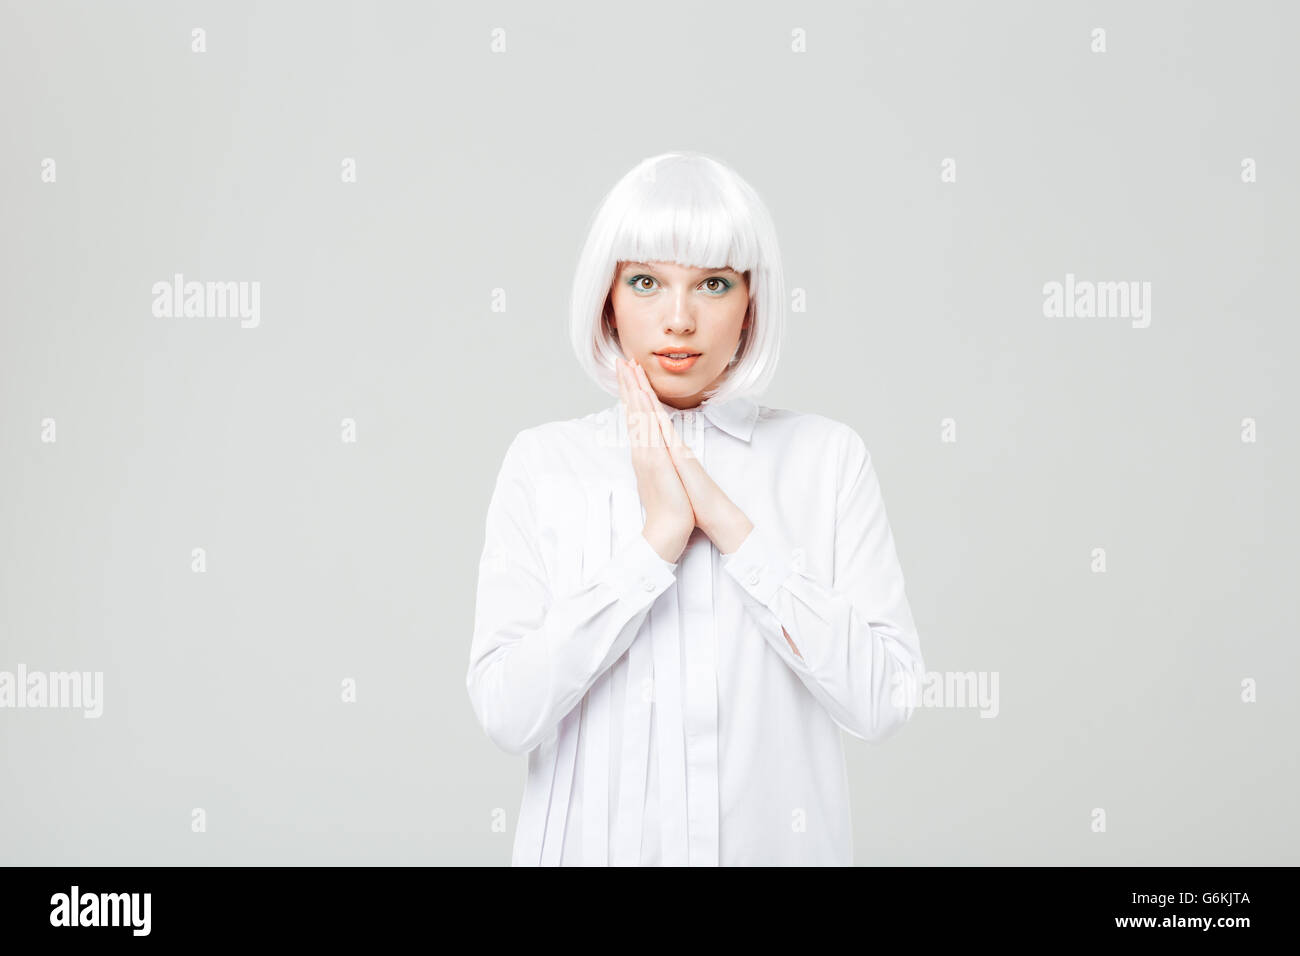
[535,654]
[861,655]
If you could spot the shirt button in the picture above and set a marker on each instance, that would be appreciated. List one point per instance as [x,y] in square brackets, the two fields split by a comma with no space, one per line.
[753,577]
[647,584]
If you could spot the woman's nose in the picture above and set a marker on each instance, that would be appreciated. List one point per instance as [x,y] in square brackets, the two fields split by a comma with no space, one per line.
[681,320]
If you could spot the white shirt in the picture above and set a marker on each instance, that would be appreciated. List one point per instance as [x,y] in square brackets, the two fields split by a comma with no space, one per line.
[665,717]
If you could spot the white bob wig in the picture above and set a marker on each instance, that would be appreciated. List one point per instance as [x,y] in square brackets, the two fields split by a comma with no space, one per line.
[691,209]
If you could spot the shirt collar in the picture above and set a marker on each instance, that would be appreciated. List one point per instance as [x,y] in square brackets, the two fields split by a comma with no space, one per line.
[736,416]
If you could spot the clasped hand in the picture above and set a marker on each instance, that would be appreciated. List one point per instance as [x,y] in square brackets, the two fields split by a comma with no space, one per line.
[676,491]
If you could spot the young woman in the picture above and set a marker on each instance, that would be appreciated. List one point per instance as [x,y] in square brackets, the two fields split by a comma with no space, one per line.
[685,597]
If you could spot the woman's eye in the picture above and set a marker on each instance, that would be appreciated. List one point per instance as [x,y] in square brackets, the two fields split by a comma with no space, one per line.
[715,284]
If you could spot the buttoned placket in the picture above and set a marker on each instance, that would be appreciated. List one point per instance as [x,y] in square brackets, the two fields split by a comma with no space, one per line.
[698,637]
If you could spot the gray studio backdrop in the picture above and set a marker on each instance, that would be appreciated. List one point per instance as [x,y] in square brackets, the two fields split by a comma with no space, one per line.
[1095,505]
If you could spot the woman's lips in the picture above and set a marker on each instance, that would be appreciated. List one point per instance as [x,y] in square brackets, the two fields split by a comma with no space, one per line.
[675,365]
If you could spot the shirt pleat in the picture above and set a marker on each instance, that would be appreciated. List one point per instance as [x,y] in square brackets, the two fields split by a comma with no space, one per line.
[636,715]
[558,813]
[595,793]
[536,802]
[666,644]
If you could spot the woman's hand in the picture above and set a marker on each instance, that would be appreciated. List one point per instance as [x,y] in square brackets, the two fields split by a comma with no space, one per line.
[714,513]
[669,519]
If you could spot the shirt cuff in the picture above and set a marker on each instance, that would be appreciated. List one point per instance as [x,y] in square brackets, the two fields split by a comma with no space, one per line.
[637,571]
[762,564]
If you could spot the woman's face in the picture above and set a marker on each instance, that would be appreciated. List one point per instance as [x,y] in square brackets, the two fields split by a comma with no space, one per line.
[661,307]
